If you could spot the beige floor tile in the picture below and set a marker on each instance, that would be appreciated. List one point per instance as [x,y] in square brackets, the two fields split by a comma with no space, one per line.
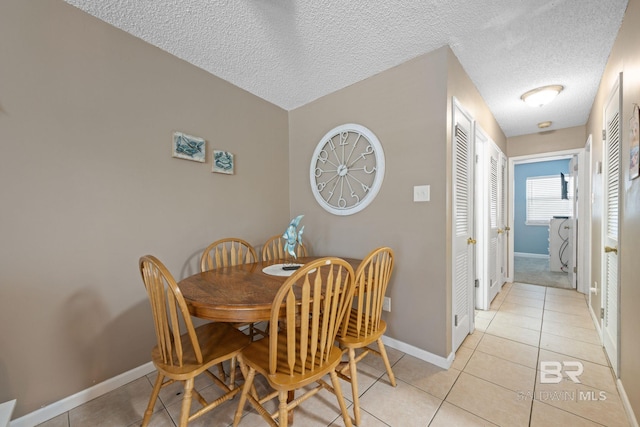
[367,376]
[485,314]
[578,308]
[366,420]
[543,415]
[575,332]
[527,294]
[570,347]
[565,293]
[131,401]
[450,415]
[595,405]
[529,302]
[425,376]
[496,304]
[472,340]
[321,409]
[490,401]
[521,310]
[481,324]
[462,357]
[375,361]
[594,375]
[573,297]
[404,405]
[529,288]
[502,372]
[507,349]
[217,417]
[508,318]
[515,333]
[582,321]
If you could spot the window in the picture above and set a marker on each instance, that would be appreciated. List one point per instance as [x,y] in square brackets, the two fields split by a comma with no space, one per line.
[544,199]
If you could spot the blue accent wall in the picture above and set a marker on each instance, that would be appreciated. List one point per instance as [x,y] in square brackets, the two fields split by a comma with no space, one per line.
[532,239]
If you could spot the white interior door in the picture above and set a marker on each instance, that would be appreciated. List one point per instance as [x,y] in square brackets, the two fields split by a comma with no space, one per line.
[463,242]
[503,230]
[611,204]
[494,231]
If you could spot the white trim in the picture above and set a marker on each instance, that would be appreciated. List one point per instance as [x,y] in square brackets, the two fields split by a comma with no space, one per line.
[528,255]
[61,406]
[627,405]
[68,403]
[421,354]
[6,410]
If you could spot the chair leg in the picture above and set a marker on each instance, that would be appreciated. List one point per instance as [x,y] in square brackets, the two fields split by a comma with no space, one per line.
[383,353]
[283,396]
[353,374]
[152,400]
[186,403]
[338,391]
[248,385]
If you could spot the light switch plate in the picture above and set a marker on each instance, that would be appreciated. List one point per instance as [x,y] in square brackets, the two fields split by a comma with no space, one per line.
[421,193]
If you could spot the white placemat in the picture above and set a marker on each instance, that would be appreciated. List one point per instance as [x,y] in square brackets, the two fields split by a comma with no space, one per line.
[276,270]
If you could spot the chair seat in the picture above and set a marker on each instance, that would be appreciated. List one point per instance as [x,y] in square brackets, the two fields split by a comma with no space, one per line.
[256,355]
[217,341]
[352,339]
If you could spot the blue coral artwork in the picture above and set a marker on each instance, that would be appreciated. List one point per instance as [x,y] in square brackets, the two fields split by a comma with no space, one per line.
[188,147]
[223,162]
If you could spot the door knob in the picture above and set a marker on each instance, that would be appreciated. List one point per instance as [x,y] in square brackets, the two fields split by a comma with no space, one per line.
[507,228]
[608,249]
[471,241]
[500,231]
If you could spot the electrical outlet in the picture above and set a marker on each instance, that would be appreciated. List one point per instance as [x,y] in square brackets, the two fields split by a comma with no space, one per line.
[386,304]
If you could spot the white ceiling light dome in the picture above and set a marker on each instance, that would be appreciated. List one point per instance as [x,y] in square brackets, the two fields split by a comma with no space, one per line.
[542,95]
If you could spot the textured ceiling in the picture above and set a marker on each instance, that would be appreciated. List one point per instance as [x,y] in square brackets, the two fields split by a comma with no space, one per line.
[291,52]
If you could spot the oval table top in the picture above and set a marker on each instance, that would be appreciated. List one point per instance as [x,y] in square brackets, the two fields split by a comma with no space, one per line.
[239,294]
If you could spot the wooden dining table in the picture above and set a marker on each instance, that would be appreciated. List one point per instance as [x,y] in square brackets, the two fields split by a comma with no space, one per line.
[238,294]
[243,293]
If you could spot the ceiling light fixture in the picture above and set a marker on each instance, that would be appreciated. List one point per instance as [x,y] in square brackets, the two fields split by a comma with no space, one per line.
[543,125]
[542,95]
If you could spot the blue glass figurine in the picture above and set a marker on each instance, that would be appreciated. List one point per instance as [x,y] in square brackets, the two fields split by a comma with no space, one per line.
[293,237]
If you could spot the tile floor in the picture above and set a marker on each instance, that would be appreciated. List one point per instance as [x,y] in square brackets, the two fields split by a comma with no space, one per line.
[495,379]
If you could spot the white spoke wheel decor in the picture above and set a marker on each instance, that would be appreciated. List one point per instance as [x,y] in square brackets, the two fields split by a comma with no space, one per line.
[347,169]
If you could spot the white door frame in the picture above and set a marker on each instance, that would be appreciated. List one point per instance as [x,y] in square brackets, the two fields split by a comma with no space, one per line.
[532,158]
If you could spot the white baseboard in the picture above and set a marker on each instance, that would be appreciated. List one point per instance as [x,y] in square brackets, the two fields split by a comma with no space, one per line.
[527,255]
[60,407]
[6,410]
[627,405]
[439,361]
[53,410]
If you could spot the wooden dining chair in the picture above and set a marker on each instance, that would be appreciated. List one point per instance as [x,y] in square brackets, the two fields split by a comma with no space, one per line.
[300,349]
[273,249]
[183,357]
[363,325]
[229,252]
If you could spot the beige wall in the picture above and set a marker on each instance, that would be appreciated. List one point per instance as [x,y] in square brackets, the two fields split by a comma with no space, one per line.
[89,185]
[408,108]
[547,142]
[624,59]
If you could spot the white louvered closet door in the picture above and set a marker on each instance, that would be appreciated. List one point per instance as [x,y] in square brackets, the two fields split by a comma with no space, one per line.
[463,241]
[611,204]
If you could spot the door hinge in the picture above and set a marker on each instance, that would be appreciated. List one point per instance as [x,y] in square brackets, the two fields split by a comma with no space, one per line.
[575,269]
[602,313]
[477,283]
[604,134]
[455,320]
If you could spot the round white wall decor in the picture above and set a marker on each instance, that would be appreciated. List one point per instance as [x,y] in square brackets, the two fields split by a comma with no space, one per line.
[347,169]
